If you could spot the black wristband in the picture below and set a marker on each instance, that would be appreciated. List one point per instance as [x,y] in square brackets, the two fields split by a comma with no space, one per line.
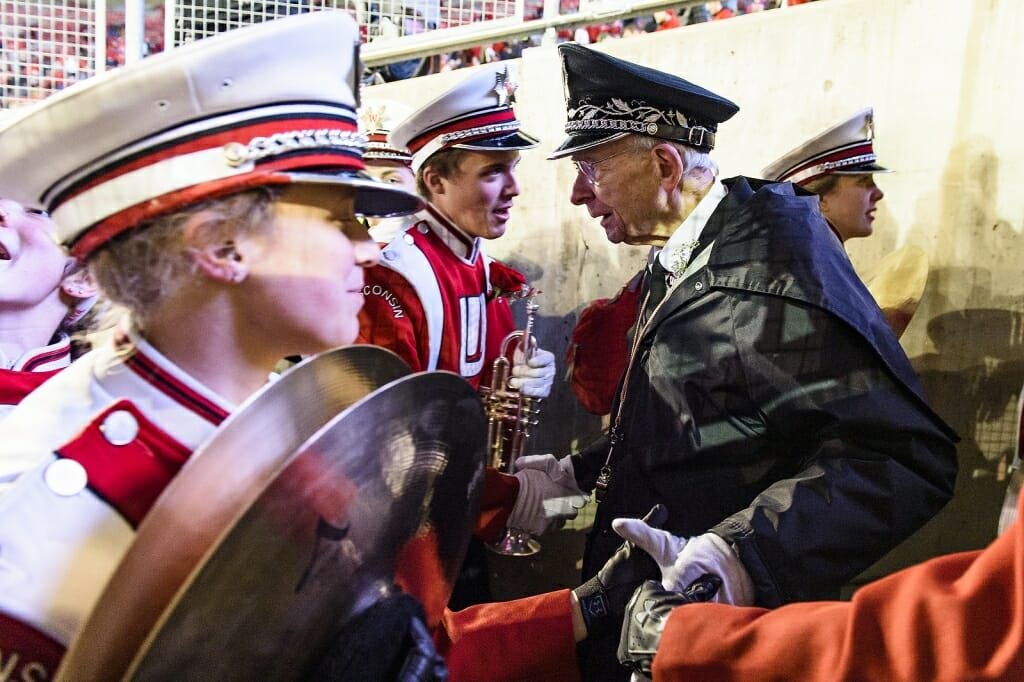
[597,612]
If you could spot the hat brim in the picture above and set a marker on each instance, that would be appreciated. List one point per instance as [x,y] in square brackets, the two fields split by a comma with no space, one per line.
[862,169]
[514,142]
[578,143]
[374,199]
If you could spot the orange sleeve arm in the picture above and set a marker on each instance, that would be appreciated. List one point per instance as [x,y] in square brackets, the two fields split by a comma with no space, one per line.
[524,639]
[955,617]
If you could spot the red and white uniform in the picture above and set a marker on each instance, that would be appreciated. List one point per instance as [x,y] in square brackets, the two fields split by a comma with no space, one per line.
[82,460]
[24,374]
[431,300]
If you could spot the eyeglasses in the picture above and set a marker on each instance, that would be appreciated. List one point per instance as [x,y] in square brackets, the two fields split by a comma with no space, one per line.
[587,168]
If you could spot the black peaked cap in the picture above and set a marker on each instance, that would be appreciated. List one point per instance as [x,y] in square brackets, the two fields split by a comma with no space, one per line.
[606,96]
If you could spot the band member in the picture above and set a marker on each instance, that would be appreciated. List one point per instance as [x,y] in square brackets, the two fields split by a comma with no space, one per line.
[436,298]
[213,195]
[44,294]
[839,165]
[384,161]
[766,403]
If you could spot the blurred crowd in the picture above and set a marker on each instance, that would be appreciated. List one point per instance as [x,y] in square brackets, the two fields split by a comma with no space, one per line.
[53,47]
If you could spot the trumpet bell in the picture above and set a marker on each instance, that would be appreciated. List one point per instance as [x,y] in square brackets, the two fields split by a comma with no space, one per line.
[515,542]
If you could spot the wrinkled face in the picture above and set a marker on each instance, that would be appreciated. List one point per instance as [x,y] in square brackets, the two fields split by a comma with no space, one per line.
[850,205]
[31,263]
[617,186]
[305,278]
[478,196]
[393,172]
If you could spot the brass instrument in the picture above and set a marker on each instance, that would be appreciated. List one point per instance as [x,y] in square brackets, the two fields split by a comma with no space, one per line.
[510,415]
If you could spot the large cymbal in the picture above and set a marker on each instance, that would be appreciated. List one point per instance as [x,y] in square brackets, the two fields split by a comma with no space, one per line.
[388,490]
[221,479]
[898,285]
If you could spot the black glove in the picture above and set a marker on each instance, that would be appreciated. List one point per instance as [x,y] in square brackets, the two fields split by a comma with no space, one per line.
[387,641]
[603,598]
[647,613]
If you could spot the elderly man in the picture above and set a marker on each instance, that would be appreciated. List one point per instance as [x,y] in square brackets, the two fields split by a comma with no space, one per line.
[765,402]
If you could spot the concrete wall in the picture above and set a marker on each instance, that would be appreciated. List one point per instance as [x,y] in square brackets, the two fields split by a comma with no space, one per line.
[941,77]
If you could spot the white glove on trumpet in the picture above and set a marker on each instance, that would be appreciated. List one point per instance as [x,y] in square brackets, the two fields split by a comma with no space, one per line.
[533,378]
[548,494]
[683,560]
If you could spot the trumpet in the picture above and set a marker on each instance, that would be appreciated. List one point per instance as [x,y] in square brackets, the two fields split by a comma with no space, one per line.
[510,416]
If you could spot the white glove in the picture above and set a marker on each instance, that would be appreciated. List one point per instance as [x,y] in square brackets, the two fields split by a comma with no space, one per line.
[548,494]
[683,560]
[534,377]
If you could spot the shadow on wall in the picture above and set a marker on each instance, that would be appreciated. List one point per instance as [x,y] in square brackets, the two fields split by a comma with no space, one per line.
[974,370]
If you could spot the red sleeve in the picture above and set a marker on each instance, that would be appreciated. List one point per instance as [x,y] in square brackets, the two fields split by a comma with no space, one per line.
[956,617]
[524,639]
[392,317]
[496,502]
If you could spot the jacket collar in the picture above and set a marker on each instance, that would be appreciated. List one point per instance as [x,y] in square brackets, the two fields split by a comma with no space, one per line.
[55,355]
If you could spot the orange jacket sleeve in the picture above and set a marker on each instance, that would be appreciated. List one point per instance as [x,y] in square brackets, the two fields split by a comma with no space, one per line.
[524,639]
[952,618]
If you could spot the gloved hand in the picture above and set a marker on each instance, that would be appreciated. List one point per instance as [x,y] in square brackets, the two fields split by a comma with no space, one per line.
[683,560]
[534,377]
[548,494]
[387,641]
[646,615]
[603,598]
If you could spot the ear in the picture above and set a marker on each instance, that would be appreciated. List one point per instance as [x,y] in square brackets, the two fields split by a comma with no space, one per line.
[433,180]
[78,282]
[670,166]
[219,259]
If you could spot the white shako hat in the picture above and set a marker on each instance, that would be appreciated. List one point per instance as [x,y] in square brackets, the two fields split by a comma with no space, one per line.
[376,120]
[268,104]
[843,149]
[476,114]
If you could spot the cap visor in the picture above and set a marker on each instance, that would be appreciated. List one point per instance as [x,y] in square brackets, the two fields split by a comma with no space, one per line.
[515,141]
[374,199]
[578,143]
[862,169]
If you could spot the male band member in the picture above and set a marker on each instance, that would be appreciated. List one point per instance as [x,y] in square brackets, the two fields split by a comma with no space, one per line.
[766,403]
[437,299]
[213,195]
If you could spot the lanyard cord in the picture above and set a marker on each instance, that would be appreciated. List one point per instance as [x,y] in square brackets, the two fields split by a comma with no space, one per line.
[615,435]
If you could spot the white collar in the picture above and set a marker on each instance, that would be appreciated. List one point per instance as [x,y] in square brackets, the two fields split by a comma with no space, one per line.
[676,253]
[56,355]
[150,365]
[460,243]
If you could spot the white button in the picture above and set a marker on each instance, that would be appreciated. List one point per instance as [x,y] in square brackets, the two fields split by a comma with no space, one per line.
[120,428]
[408,239]
[65,477]
[389,255]
[698,286]
[423,229]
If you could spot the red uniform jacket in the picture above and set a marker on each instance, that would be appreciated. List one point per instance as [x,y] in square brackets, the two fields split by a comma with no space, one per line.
[953,618]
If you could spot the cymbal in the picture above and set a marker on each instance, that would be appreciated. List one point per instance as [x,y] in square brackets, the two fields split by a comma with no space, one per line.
[222,477]
[389,487]
[898,285]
